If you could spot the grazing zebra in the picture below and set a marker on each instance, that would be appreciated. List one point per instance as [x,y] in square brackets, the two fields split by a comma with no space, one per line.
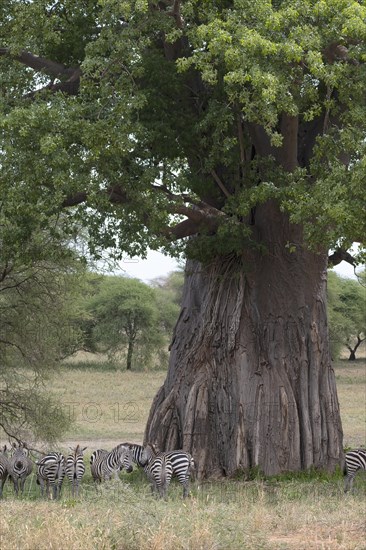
[159,470]
[20,466]
[4,465]
[182,462]
[355,460]
[104,464]
[75,468]
[51,472]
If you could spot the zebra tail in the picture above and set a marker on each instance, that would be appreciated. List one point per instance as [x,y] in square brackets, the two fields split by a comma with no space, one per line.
[193,468]
[163,477]
[59,468]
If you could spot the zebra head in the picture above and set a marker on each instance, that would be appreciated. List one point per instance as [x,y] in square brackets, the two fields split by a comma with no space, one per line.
[128,459]
[19,450]
[148,453]
[122,457]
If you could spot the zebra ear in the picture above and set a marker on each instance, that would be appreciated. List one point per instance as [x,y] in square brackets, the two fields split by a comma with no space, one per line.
[85,448]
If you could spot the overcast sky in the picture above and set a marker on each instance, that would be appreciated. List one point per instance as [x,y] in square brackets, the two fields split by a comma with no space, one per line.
[158,265]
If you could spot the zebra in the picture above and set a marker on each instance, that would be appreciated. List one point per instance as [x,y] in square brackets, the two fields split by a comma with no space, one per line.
[104,464]
[75,468]
[51,473]
[182,463]
[355,460]
[158,468]
[20,466]
[4,466]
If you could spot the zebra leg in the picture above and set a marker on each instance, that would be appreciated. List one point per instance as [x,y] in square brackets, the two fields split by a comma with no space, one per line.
[22,483]
[2,484]
[346,484]
[349,482]
[41,485]
[16,488]
[186,487]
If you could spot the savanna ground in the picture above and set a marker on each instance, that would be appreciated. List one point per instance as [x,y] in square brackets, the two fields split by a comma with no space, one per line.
[304,511]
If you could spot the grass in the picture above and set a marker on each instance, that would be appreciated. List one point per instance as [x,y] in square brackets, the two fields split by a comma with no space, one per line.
[308,510]
[106,405]
[351,386]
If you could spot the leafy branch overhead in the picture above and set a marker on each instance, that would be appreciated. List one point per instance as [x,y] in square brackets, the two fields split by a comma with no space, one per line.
[154,122]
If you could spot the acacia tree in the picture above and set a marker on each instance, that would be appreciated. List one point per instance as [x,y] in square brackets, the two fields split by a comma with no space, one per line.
[124,314]
[346,310]
[233,130]
[38,285]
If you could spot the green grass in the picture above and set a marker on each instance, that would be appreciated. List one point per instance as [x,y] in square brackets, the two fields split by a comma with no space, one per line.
[306,510]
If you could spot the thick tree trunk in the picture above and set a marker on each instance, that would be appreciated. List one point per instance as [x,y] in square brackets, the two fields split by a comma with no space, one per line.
[352,356]
[131,343]
[250,381]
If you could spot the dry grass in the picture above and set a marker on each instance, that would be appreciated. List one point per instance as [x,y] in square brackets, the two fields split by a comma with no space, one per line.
[293,513]
[254,515]
[107,407]
[351,386]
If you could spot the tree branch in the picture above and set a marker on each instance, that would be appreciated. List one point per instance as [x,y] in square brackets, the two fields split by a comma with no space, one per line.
[40,64]
[219,183]
[339,256]
[200,215]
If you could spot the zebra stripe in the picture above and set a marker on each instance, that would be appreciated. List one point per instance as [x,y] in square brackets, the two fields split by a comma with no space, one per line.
[355,460]
[20,466]
[75,468]
[159,471]
[51,473]
[104,464]
[4,466]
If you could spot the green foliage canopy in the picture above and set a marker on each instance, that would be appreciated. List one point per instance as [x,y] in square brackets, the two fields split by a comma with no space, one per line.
[154,121]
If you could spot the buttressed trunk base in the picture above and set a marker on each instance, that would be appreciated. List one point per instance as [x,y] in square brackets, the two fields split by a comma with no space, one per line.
[250,381]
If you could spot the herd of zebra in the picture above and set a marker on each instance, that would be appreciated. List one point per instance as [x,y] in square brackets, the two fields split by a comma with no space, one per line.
[53,467]
[158,466]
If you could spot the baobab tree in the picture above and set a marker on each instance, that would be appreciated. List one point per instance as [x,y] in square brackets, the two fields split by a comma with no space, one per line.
[232,131]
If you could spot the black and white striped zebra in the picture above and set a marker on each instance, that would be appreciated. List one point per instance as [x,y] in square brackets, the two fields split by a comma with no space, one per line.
[355,460]
[104,464]
[75,468]
[182,463]
[20,466]
[158,468]
[4,467]
[51,473]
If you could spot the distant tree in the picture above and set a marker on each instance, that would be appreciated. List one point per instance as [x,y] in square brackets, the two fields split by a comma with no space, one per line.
[347,313]
[125,318]
[38,284]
